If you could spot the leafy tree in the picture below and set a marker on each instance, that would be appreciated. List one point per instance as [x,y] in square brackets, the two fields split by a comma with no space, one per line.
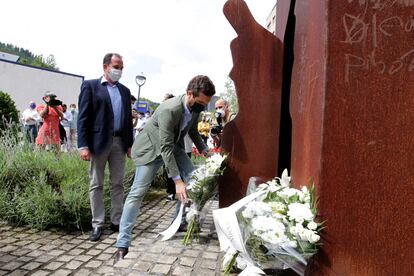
[230,95]
[8,110]
[27,57]
[153,105]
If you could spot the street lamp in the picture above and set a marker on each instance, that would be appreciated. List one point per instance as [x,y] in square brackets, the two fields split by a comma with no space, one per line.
[140,80]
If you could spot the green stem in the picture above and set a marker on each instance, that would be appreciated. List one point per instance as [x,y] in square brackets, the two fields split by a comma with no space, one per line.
[230,265]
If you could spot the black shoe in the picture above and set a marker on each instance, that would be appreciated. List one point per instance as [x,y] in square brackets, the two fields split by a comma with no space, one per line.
[120,254]
[171,197]
[96,234]
[114,227]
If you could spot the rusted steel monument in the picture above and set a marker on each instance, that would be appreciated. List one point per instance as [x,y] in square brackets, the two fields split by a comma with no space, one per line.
[345,72]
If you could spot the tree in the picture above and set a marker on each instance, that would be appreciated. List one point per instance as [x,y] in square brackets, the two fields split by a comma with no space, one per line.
[230,95]
[8,111]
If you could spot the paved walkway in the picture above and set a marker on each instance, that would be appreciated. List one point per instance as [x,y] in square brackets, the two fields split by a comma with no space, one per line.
[27,252]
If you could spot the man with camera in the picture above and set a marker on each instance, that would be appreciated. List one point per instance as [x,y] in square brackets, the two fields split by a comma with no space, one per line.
[223,115]
[105,136]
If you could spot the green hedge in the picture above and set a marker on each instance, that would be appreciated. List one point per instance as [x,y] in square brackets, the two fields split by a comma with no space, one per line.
[38,190]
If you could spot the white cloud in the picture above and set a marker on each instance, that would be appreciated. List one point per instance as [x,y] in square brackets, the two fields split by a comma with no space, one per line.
[170,41]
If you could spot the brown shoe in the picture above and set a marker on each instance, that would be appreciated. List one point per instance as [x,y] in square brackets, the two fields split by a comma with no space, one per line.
[120,254]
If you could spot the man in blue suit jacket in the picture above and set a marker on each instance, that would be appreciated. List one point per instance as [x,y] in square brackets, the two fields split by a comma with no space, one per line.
[105,135]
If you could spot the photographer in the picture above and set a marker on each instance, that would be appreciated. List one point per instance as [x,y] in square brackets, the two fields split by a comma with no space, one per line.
[51,114]
[223,115]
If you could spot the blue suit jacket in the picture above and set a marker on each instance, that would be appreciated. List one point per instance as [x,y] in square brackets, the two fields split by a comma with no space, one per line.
[96,118]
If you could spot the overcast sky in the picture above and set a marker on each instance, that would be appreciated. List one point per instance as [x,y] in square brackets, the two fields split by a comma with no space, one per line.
[169,41]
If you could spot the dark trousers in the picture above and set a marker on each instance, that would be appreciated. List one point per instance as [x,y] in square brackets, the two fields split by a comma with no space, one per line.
[31,133]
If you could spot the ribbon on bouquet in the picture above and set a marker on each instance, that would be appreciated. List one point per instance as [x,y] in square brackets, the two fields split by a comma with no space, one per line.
[228,231]
[170,231]
[173,228]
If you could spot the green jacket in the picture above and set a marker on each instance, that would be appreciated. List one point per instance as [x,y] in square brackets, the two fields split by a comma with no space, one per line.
[162,133]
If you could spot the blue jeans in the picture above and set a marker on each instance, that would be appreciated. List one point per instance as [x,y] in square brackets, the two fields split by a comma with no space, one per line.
[144,175]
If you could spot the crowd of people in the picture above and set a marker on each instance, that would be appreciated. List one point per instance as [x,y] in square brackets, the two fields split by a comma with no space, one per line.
[51,125]
[108,128]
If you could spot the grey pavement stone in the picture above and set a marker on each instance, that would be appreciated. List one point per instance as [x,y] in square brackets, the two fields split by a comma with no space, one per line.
[53,265]
[83,272]
[191,253]
[72,265]
[150,257]
[24,259]
[59,253]
[166,259]
[93,252]
[62,272]
[210,255]
[132,255]
[12,265]
[31,266]
[8,248]
[7,258]
[41,273]
[187,261]
[86,245]
[32,246]
[124,263]
[56,252]
[182,271]
[67,246]
[18,272]
[65,258]
[205,272]
[110,250]
[22,242]
[93,264]
[102,246]
[36,253]
[21,252]
[44,258]
[76,251]
[210,264]
[104,256]
[83,258]
[48,247]
[106,270]
[173,250]
[143,266]
[161,268]
[9,240]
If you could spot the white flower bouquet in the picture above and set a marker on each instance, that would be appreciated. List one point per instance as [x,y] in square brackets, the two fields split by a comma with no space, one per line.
[275,228]
[203,186]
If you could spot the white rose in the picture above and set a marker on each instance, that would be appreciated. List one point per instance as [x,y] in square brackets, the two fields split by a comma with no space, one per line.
[314,238]
[312,225]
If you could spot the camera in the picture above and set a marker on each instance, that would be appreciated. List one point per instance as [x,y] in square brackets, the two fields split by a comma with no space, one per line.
[53,101]
[217,129]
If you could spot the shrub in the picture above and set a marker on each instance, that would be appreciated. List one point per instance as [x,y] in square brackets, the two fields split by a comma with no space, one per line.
[8,111]
[38,190]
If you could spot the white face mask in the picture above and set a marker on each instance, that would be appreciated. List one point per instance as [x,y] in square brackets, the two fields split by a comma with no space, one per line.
[72,109]
[221,111]
[114,74]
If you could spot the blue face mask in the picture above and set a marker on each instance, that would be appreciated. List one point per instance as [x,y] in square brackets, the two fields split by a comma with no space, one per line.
[32,106]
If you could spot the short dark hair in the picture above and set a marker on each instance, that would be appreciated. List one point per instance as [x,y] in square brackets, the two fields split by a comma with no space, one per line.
[203,84]
[107,58]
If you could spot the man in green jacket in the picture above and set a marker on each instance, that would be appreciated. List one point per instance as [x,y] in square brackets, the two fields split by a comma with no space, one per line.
[161,142]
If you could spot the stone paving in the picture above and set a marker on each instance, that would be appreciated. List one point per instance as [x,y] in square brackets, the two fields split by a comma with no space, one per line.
[26,252]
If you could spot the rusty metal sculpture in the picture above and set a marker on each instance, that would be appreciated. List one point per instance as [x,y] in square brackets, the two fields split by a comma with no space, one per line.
[252,138]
